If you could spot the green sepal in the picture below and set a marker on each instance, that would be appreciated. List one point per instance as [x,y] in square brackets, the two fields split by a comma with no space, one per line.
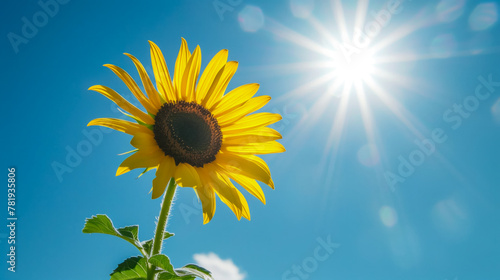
[145,170]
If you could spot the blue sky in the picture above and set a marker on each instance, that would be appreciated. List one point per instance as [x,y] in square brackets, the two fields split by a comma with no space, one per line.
[359,173]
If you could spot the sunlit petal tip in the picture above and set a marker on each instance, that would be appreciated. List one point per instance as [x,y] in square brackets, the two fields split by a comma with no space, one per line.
[129,55]
[271,184]
[152,45]
[122,170]
[206,218]
[247,216]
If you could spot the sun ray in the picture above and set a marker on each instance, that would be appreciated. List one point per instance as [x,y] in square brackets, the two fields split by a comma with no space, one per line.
[365,112]
[403,81]
[338,12]
[361,10]
[396,108]
[294,67]
[308,87]
[323,31]
[288,34]
[418,22]
[333,142]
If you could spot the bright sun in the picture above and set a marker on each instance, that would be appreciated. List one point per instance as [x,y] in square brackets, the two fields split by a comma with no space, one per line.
[354,68]
[349,70]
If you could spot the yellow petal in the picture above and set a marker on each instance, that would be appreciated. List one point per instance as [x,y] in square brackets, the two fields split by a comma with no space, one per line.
[164,173]
[162,76]
[144,141]
[132,86]
[153,95]
[251,122]
[219,86]
[140,159]
[228,194]
[190,75]
[180,65]
[235,98]
[256,148]
[208,76]
[258,135]
[245,210]
[207,197]
[247,165]
[123,103]
[250,185]
[250,106]
[121,125]
[186,176]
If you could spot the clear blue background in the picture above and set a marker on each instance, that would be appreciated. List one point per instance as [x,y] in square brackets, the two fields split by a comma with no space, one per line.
[447,223]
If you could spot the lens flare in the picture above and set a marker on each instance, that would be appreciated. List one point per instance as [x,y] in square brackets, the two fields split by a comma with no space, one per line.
[302,8]
[443,46]
[450,10]
[388,216]
[483,16]
[251,18]
[451,219]
[495,111]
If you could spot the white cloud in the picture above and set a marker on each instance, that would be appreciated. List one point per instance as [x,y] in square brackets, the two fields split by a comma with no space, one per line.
[221,269]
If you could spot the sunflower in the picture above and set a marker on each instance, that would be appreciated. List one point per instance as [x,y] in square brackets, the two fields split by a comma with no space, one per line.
[194,132]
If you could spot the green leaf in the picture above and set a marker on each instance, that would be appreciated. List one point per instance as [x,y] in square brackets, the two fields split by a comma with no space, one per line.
[162,262]
[170,276]
[194,270]
[148,244]
[102,224]
[130,232]
[167,235]
[199,268]
[134,268]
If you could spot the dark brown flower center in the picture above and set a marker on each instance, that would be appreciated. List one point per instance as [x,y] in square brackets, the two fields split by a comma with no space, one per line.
[187,132]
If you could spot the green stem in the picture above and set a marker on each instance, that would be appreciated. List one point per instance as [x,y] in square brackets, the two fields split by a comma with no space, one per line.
[162,222]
